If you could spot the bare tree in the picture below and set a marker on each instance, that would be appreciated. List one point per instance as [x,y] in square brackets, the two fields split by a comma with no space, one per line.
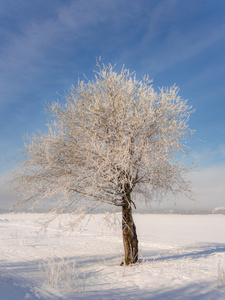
[112,138]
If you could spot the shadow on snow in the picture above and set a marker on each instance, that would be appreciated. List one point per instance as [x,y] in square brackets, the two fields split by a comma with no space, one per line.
[13,284]
[195,252]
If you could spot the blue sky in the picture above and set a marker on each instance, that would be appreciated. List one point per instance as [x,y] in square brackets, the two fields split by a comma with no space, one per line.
[46,45]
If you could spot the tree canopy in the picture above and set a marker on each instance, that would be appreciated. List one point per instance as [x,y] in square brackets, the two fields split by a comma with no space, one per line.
[112,133]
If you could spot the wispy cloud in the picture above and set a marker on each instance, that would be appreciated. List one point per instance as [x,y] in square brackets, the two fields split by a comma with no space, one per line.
[205,155]
[208,187]
[47,49]
[169,44]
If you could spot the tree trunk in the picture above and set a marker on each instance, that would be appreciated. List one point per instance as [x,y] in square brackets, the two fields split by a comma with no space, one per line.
[130,240]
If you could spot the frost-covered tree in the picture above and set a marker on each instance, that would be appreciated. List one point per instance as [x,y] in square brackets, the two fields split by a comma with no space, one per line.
[114,137]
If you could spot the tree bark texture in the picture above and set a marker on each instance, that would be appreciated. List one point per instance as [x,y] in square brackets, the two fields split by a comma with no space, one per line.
[130,240]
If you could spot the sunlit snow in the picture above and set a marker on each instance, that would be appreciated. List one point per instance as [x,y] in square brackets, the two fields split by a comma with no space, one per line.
[181,257]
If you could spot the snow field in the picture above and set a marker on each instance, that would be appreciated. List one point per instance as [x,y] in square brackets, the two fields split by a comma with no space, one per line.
[181,257]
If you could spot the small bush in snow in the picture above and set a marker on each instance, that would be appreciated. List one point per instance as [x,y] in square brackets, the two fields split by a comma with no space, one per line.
[61,273]
[221,275]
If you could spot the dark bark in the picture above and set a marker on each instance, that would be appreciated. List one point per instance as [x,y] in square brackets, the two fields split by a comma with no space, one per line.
[130,240]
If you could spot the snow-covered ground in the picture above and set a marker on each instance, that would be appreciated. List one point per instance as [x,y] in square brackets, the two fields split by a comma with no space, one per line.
[181,257]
